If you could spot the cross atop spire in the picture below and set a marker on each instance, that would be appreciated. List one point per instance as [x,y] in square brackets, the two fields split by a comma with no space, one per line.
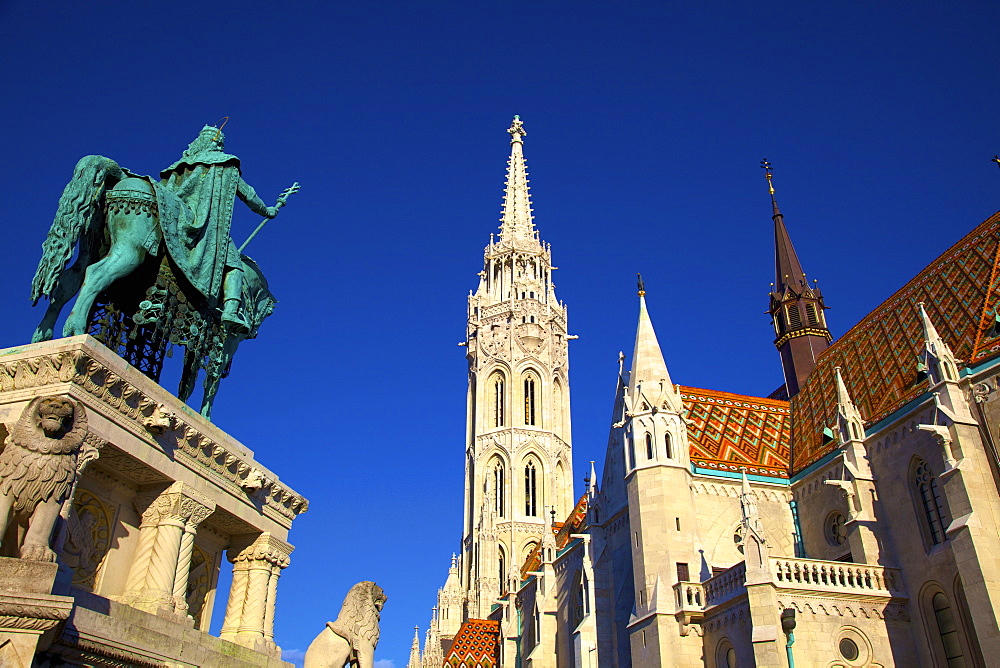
[517,223]
[787,268]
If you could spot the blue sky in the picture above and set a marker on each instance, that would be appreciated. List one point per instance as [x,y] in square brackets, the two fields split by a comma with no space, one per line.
[646,125]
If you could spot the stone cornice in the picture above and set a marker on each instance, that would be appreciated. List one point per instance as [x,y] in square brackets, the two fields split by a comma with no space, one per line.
[84,363]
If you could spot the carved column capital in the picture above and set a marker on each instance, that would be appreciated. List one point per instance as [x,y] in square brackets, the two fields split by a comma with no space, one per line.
[264,548]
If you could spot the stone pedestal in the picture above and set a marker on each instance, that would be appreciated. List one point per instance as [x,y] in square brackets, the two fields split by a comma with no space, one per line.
[28,609]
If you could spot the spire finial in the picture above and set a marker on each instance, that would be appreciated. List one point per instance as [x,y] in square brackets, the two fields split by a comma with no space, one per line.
[640,285]
[516,131]
[765,164]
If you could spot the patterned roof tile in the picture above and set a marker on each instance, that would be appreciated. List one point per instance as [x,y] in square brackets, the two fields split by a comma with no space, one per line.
[878,356]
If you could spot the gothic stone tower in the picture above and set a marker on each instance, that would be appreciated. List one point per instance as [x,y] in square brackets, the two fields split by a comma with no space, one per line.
[518,459]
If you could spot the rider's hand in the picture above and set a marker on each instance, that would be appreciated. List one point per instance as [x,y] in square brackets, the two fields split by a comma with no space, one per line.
[272,211]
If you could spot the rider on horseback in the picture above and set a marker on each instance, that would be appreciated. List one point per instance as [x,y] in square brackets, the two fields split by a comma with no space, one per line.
[195,200]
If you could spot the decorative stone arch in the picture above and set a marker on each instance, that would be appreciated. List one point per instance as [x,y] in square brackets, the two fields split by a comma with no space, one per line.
[530,390]
[497,471]
[558,404]
[928,502]
[533,476]
[725,653]
[527,547]
[944,629]
[497,398]
[559,481]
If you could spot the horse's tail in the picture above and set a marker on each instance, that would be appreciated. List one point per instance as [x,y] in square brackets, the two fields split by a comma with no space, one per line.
[79,208]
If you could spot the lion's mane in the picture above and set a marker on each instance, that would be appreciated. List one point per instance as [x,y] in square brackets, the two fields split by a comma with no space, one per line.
[359,616]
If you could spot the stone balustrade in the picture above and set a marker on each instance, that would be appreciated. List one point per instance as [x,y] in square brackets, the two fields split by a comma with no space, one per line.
[690,597]
[835,576]
[726,585]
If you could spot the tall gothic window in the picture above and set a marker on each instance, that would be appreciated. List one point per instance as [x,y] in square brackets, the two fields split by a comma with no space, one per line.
[668,446]
[498,487]
[929,499]
[530,490]
[649,446]
[948,628]
[502,573]
[496,388]
[530,407]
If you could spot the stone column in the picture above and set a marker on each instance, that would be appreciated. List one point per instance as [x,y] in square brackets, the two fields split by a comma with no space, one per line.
[250,611]
[162,561]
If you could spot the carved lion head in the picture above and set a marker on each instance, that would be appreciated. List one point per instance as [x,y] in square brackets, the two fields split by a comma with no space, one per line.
[54,415]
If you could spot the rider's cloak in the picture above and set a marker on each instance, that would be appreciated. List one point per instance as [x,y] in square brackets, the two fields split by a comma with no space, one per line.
[195,198]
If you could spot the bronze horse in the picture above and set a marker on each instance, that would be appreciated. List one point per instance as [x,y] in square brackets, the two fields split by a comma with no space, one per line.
[109,218]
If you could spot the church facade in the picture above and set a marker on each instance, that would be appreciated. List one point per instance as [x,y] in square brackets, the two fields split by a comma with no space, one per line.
[849,519]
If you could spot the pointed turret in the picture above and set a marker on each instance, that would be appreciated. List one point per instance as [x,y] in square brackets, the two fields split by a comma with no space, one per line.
[517,224]
[414,661]
[939,361]
[649,382]
[849,422]
[796,309]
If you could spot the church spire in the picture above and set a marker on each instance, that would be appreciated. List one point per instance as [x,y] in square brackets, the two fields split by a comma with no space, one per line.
[788,273]
[414,661]
[647,358]
[649,383]
[517,223]
[796,308]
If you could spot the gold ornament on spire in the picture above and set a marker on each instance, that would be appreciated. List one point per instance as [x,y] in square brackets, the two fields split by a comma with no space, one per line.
[641,285]
[768,174]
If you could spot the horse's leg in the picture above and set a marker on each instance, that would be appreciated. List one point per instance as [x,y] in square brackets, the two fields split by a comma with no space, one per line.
[121,260]
[214,376]
[189,376]
[69,283]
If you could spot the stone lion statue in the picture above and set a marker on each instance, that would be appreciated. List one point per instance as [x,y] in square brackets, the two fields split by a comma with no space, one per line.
[354,636]
[38,470]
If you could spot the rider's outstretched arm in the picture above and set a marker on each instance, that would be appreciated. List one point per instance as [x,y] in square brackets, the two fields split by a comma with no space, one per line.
[250,198]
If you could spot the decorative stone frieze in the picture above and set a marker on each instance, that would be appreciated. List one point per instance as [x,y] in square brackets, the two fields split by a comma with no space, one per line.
[147,418]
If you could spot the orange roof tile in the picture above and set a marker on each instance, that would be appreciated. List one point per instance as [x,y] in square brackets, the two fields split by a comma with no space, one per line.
[572,525]
[733,431]
[476,645]
[878,356]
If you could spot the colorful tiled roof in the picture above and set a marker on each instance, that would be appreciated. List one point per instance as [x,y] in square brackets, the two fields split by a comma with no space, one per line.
[731,432]
[573,524]
[476,645]
[878,356]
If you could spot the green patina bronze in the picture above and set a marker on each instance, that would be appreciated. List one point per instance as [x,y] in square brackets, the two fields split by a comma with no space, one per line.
[187,283]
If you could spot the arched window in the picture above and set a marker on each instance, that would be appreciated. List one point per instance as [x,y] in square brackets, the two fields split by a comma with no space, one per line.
[649,446]
[558,411]
[948,628]
[528,549]
[498,488]
[928,496]
[530,405]
[668,446]
[631,453]
[497,390]
[530,490]
[502,572]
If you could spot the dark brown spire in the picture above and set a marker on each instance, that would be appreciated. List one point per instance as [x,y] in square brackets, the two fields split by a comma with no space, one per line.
[787,268]
[796,309]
